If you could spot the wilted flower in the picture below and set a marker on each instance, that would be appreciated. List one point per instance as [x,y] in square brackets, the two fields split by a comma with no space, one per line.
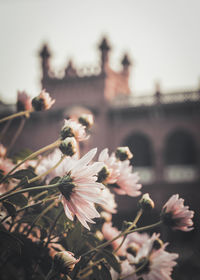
[43,101]
[80,190]
[74,129]
[64,262]
[176,215]
[23,101]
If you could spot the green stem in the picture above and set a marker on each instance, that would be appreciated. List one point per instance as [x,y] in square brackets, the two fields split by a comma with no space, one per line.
[138,216]
[29,189]
[119,235]
[51,274]
[47,172]
[40,216]
[18,132]
[52,226]
[28,206]
[42,150]
[23,113]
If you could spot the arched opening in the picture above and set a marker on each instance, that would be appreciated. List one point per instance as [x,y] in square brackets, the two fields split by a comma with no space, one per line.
[180,149]
[143,156]
[141,147]
[180,157]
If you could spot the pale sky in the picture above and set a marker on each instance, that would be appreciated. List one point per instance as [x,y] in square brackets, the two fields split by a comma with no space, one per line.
[162,38]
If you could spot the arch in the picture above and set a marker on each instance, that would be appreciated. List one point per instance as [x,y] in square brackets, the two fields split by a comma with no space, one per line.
[141,147]
[180,149]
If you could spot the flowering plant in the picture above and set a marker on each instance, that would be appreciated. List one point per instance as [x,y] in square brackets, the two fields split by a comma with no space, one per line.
[56,211]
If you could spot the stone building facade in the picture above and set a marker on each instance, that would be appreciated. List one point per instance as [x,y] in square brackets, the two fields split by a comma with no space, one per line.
[162,129]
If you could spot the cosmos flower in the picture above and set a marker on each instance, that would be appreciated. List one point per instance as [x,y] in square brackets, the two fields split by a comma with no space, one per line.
[150,263]
[43,101]
[23,101]
[79,188]
[127,181]
[109,197]
[74,129]
[176,215]
[64,262]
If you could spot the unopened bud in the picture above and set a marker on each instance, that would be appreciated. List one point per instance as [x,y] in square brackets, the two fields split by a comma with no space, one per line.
[107,217]
[103,174]
[99,235]
[157,244]
[64,262]
[42,102]
[146,203]
[68,146]
[123,153]
[132,249]
[86,120]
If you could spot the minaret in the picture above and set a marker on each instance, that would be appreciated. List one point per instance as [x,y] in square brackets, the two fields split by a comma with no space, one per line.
[45,57]
[104,48]
[126,65]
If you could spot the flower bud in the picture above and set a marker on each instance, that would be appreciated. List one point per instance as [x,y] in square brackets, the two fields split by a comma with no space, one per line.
[123,153]
[107,217]
[103,174]
[133,249]
[146,203]
[86,120]
[64,262]
[157,244]
[68,146]
[42,102]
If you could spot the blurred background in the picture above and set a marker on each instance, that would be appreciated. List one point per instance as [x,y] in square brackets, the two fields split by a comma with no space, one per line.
[135,66]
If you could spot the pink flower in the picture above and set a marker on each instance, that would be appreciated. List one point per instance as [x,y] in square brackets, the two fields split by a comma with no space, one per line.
[176,215]
[109,197]
[64,262]
[43,101]
[109,232]
[110,171]
[72,128]
[23,101]
[127,181]
[155,264]
[80,190]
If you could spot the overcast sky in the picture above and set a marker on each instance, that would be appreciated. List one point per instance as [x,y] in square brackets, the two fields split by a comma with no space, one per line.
[162,38]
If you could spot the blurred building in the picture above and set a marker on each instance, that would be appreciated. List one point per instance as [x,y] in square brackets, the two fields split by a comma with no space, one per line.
[162,129]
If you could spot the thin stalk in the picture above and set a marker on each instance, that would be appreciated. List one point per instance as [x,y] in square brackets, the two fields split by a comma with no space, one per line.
[29,189]
[119,235]
[47,172]
[5,128]
[40,151]
[35,178]
[52,227]
[18,114]
[134,272]
[40,216]
[138,216]
[18,132]
[28,206]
